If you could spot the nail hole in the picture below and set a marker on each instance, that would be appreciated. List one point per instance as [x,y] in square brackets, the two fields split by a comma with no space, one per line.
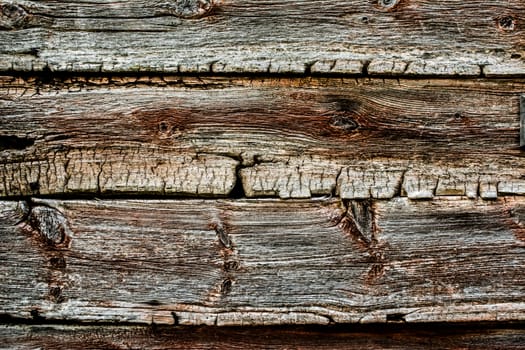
[163,127]
[506,23]
[365,20]
[458,115]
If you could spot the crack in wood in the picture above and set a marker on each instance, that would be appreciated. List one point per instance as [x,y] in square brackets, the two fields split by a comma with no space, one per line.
[355,222]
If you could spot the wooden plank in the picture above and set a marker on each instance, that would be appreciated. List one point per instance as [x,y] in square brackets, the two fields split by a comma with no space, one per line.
[288,138]
[449,37]
[120,337]
[263,262]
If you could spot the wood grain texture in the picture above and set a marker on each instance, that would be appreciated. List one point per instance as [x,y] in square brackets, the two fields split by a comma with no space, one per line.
[263,262]
[394,37]
[288,138]
[140,337]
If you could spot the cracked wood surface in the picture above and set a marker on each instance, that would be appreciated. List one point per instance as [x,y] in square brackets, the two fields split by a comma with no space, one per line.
[262,262]
[288,138]
[394,37]
[140,337]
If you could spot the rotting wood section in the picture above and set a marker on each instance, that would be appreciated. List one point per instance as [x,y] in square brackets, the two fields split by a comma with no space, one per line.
[277,137]
[71,337]
[262,262]
[395,37]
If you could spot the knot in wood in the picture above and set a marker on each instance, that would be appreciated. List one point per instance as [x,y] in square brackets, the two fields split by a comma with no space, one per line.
[13,16]
[506,23]
[387,5]
[226,286]
[55,295]
[343,121]
[190,9]
[49,223]
[223,236]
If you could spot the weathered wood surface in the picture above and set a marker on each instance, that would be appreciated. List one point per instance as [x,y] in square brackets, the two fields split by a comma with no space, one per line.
[260,262]
[139,337]
[291,138]
[387,37]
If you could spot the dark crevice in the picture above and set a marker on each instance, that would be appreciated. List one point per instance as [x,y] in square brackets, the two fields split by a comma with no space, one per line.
[365,68]
[14,142]
[37,319]
[175,318]
[426,327]
[482,71]
[64,78]
[238,190]
[308,68]
[396,317]
[35,314]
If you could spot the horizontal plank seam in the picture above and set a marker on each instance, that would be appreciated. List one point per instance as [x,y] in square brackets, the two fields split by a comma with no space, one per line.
[46,73]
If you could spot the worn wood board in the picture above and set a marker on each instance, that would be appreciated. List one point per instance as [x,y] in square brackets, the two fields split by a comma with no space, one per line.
[261,262]
[288,138]
[384,37]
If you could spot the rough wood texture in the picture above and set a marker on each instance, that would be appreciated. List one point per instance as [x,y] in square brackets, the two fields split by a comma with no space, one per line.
[258,262]
[139,337]
[386,37]
[291,138]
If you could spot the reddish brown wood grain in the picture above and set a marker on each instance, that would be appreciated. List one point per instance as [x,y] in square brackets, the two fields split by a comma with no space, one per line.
[263,262]
[358,139]
[453,336]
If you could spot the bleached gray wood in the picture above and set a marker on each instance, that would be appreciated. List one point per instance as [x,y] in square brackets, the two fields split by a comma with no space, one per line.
[261,262]
[445,38]
[288,138]
[70,337]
